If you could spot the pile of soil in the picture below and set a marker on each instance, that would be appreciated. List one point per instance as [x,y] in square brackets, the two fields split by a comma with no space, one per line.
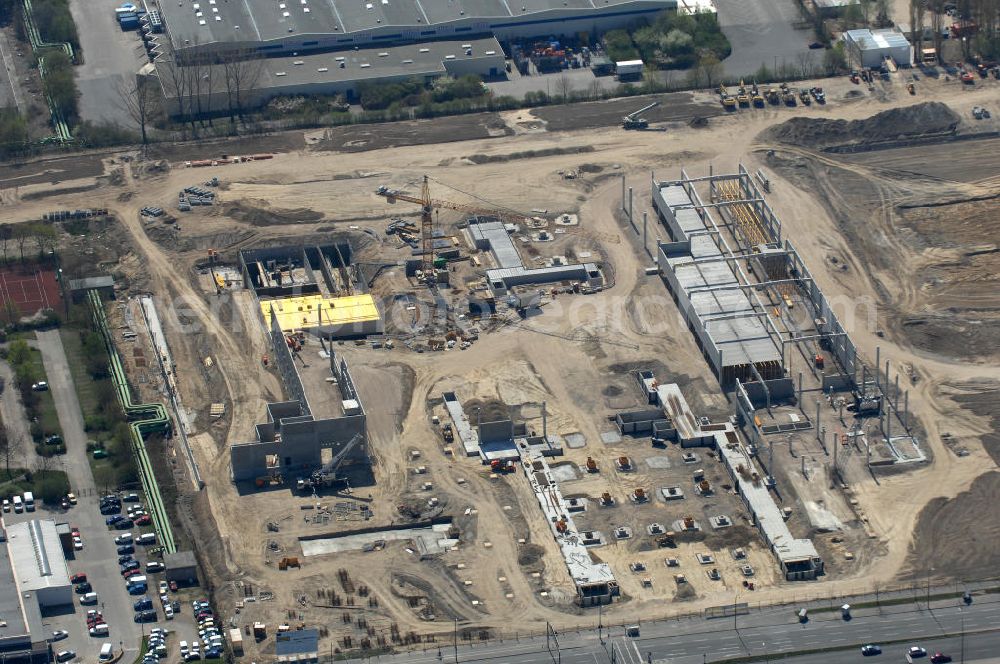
[924,119]
[257,216]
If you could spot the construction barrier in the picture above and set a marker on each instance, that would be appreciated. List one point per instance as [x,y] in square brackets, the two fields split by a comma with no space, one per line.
[143,419]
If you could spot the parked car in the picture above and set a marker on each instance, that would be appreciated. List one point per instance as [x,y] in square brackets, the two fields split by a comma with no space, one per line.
[126,549]
[82,588]
[71,497]
[130,565]
[112,520]
[124,524]
[124,539]
[65,655]
[124,559]
[173,586]
[154,567]
[6,505]
[89,598]
[78,578]
[100,629]
[40,386]
[144,520]
[145,616]
[54,439]
[131,498]
[77,543]
[58,635]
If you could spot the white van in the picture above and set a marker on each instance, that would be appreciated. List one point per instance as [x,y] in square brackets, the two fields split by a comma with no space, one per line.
[18,504]
[29,501]
[107,653]
[136,580]
[146,538]
[88,598]
[125,538]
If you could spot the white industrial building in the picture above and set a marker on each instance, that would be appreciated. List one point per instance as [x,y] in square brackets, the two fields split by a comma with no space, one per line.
[39,566]
[870,48]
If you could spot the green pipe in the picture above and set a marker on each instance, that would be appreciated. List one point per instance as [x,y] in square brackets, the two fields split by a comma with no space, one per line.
[58,121]
[144,419]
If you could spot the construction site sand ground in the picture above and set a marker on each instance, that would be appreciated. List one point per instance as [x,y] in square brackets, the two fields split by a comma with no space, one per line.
[926,265]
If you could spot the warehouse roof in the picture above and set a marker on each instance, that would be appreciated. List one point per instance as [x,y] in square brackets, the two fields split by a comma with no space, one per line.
[309,311]
[37,555]
[13,623]
[179,559]
[420,59]
[876,39]
[199,22]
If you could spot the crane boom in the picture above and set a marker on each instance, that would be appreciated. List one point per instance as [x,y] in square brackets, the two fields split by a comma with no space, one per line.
[634,121]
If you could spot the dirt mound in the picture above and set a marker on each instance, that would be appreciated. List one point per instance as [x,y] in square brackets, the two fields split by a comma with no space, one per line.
[260,216]
[894,124]
[528,154]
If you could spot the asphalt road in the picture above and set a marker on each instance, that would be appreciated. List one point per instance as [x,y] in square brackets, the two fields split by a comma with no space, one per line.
[769,632]
[97,559]
[108,54]
[763,32]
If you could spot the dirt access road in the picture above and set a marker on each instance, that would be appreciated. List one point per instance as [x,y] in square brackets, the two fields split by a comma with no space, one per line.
[568,355]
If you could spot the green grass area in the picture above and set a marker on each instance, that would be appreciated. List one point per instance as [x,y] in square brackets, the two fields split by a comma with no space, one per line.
[103,419]
[40,407]
[48,486]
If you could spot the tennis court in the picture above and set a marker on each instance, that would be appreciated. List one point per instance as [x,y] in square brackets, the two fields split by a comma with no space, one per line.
[30,289]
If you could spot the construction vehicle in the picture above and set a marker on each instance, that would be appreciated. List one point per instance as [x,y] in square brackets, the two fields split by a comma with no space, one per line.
[742,96]
[288,562]
[804,96]
[669,539]
[818,95]
[634,121]
[787,95]
[819,361]
[639,495]
[728,101]
[773,97]
[756,96]
[505,466]
[591,465]
[447,433]
[855,77]
[912,89]
[327,475]
[967,78]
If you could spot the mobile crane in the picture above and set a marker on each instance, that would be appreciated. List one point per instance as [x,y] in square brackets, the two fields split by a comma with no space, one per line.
[633,121]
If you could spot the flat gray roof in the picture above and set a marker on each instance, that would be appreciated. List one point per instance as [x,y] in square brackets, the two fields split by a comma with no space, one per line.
[710,284]
[421,59]
[13,623]
[494,233]
[192,23]
[37,555]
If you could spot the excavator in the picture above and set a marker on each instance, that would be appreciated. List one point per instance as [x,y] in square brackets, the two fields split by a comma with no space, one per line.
[635,121]
[728,101]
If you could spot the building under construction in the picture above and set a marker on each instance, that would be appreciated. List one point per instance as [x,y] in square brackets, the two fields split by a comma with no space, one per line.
[311,289]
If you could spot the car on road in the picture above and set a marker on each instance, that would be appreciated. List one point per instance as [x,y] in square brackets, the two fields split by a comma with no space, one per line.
[870,649]
[40,386]
[940,658]
[65,655]
[78,578]
[916,651]
[71,497]
[58,635]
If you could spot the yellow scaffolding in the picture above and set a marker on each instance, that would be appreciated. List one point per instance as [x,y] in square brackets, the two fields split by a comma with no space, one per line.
[745,216]
[310,311]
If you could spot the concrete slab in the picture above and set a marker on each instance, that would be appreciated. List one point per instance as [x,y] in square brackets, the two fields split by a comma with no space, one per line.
[611,437]
[428,539]
[658,462]
[575,440]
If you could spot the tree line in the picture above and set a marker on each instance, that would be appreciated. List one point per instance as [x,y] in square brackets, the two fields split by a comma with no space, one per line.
[16,238]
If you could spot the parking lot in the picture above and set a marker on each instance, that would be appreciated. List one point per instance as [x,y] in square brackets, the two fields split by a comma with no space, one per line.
[98,560]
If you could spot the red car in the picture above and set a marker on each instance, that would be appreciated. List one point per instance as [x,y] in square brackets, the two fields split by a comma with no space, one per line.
[78,578]
[75,532]
[128,574]
[173,586]
[94,619]
[143,520]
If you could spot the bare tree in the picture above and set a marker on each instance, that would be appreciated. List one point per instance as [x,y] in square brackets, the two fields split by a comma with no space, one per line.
[138,96]
[176,79]
[937,23]
[709,70]
[6,234]
[241,74]
[564,87]
[596,91]
[21,235]
[6,449]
